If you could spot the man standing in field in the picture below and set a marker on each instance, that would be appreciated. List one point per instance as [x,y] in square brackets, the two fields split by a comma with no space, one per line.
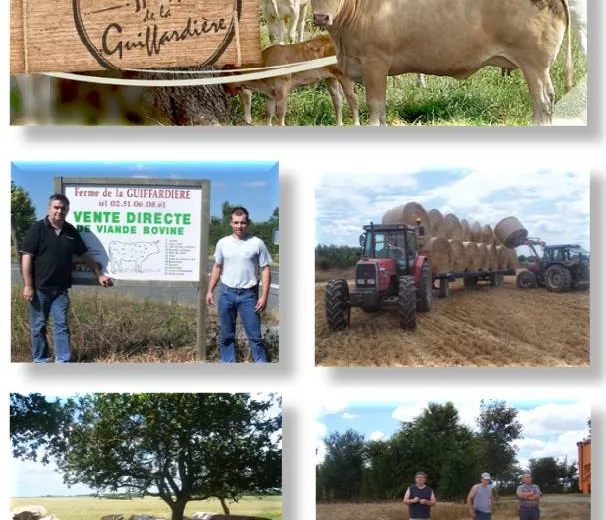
[238,257]
[47,275]
[479,500]
[529,495]
[419,498]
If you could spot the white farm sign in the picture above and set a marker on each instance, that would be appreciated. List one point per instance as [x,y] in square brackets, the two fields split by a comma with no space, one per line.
[140,232]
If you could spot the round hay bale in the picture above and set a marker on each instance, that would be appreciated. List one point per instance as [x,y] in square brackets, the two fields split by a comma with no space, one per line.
[512,259]
[466,230]
[493,260]
[438,250]
[452,227]
[437,221]
[511,232]
[502,256]
[408,214]
[484,256]
[473,259]
[476,232]
[487,235]
[459,254]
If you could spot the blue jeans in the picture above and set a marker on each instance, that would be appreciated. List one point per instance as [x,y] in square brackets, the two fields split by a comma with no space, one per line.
[231,303]
[54,302]
[481,515]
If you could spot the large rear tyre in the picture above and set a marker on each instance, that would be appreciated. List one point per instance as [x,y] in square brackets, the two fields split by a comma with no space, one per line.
[407,303]
[337,307]
[558,279]
[425,288]
[526,280]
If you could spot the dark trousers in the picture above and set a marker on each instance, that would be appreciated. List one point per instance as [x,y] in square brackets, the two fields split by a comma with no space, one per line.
[530,513]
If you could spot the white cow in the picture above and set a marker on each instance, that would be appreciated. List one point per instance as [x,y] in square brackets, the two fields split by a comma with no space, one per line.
[380,38]
[285,19]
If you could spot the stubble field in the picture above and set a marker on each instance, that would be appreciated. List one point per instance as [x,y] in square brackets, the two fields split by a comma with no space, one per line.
[486,326]
[553,507]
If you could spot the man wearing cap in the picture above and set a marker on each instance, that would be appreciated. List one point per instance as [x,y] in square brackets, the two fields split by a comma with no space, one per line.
[479,500]
[529,495]
[419,498]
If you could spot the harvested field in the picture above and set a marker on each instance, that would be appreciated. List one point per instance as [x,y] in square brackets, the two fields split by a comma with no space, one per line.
[485,326]
[554,507]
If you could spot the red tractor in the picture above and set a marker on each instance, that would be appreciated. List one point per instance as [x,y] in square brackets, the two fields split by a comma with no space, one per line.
[392,273]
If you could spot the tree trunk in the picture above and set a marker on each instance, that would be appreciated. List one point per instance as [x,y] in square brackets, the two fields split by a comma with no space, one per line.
[224,506]
[177,508]
[202,105]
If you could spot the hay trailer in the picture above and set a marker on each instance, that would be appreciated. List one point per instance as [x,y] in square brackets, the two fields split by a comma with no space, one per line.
[471,279]
[392,273]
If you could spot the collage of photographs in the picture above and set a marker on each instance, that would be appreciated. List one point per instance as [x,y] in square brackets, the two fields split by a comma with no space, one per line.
[438,357]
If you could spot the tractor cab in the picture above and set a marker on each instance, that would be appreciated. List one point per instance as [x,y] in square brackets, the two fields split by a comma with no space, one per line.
[394,247]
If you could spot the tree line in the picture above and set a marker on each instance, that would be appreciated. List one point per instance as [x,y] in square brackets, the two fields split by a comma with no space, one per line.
[438,443]
[336,257]
[177,447]
[23,215]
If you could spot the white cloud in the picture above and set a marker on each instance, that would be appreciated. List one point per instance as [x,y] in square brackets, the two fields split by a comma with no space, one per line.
[563,446]
[333,404]
[255,184]
[377,436]
[551,204]
[408,412]
[349,416]
[555,418]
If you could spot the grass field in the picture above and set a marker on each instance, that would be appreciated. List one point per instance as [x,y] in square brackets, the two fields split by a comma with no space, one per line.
[86,508]
[115,328]
[485,98]
[553,507]
[486,326]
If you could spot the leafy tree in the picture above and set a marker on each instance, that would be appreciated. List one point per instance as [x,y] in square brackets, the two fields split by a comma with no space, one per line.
[341,472]
[499,428]
[23,212]
[178,447]
[546,473]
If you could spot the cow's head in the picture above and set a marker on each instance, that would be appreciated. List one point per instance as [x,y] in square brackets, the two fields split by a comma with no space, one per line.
[324,12]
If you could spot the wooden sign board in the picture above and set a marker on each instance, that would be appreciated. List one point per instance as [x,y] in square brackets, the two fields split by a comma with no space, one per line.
[88,35]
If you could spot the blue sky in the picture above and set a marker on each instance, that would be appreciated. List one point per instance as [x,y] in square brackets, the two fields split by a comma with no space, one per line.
[552,204]
[552,427]
[251,184]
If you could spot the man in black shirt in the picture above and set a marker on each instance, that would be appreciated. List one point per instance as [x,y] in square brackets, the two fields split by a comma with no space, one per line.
[47,266]
[419,498]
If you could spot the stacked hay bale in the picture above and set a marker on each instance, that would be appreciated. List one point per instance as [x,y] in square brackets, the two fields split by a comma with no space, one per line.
[455,245]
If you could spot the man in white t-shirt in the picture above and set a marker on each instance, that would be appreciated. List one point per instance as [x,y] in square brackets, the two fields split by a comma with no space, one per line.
[238,257]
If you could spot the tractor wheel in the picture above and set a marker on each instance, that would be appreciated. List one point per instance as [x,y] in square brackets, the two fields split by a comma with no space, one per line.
[558,279]
[425,288]
[526,280]
[407,303]
[337,309]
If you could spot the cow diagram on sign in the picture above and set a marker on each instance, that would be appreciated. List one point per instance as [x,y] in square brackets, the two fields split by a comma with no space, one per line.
[129,256]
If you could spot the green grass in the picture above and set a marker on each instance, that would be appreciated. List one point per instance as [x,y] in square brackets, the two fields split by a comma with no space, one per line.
[87,508]
[485,98]
[111,327]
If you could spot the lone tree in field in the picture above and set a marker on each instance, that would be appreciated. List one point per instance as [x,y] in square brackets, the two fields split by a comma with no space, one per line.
[178,447]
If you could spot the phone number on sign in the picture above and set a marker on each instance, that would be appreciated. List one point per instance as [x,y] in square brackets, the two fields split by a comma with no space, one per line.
[134,204]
